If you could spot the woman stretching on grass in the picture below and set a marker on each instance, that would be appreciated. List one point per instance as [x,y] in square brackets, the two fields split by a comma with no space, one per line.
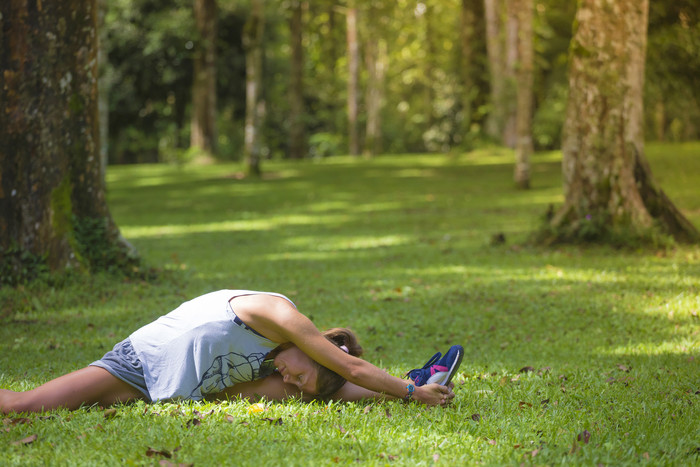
[234,343]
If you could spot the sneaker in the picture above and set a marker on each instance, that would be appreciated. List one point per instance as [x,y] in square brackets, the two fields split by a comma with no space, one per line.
[438,370]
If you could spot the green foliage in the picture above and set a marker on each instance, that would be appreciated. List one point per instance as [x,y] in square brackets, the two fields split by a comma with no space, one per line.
[98,247]
[19,266]
[576,355]
[324,145]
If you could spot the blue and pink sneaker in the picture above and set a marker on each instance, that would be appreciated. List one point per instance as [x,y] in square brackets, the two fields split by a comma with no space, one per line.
[438,370]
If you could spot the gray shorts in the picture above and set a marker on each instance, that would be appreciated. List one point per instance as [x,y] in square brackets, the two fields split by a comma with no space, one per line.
[123,363]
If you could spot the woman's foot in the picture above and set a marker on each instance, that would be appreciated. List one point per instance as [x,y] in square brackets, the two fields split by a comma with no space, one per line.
[438,370]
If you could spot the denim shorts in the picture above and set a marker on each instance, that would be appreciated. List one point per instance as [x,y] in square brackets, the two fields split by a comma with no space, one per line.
[123,363]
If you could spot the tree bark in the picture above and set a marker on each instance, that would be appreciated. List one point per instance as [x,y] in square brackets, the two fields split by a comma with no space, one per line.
[493,11]
[52,194]
[353,78]
[467,36]
[376,63]
[509,97]
[297,143]
[203,133]
[524,82]
[252,42]
[609,190]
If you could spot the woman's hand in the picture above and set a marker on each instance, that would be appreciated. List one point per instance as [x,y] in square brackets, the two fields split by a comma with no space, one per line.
[434,394]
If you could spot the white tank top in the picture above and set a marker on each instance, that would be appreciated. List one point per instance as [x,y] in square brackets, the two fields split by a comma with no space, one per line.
[198,349]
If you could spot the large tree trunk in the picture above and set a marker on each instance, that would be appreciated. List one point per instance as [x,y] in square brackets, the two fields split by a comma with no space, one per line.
[353,78]
[203,126]
[252,42]
[52,194]
[297,143]
[609,190]
[524,80]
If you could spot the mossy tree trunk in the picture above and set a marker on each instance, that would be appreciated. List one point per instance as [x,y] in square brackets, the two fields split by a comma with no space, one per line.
[52,194]
[203,134]
[609,190]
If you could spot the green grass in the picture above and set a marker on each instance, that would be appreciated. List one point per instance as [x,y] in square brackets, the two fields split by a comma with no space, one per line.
[397,248]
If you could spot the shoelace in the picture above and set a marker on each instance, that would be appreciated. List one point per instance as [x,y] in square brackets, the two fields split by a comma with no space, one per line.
[432,360]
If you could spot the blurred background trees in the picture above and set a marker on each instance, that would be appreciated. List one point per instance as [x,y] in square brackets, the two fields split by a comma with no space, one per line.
[428,76]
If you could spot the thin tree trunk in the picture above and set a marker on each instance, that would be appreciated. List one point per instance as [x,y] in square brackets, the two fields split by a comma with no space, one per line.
[509,97]
[353,78]
[252,42]
[467,34]
[297,143]
[376,57]
[524,82]
[493,11]
[52,193]
[203,126]
[609,191]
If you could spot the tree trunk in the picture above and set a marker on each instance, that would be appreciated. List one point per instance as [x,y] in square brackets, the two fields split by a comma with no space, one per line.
[252,42]
[353,78]
[610,194]
[467,36]
[493,11]
[203,126]
[524,82]
[375,59]
[52,195]
[297,143]
[510,65]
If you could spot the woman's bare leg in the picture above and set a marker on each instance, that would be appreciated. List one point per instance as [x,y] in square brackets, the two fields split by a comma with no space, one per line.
[87,386]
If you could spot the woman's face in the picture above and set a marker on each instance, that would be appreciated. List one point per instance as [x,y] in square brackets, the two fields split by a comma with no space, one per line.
[298,369]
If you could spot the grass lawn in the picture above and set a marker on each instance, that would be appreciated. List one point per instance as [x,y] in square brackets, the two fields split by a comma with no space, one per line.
[581,355]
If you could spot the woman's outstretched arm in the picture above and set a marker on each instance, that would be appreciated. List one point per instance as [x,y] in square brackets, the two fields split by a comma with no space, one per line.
[279,321]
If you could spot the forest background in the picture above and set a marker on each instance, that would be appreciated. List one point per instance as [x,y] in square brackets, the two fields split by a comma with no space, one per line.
[422,76]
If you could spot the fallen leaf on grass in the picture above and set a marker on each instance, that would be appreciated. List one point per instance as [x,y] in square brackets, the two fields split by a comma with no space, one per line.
[367,410]
[622,367]
[151,452]
[230,418]
[584,437]
[110,413]
[273,421]
[492,442]
[24,441]
[476,417]
[388,414]
[16,421]
[391,457]
[193,422]
[527,369]
[523,404]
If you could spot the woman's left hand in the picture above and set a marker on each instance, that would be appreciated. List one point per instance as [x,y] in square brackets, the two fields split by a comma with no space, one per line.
[434,394]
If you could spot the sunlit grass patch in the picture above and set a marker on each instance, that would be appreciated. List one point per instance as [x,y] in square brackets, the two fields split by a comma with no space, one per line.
[573,355]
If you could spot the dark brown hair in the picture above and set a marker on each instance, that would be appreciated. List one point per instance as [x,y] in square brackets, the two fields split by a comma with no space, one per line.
[328,381]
